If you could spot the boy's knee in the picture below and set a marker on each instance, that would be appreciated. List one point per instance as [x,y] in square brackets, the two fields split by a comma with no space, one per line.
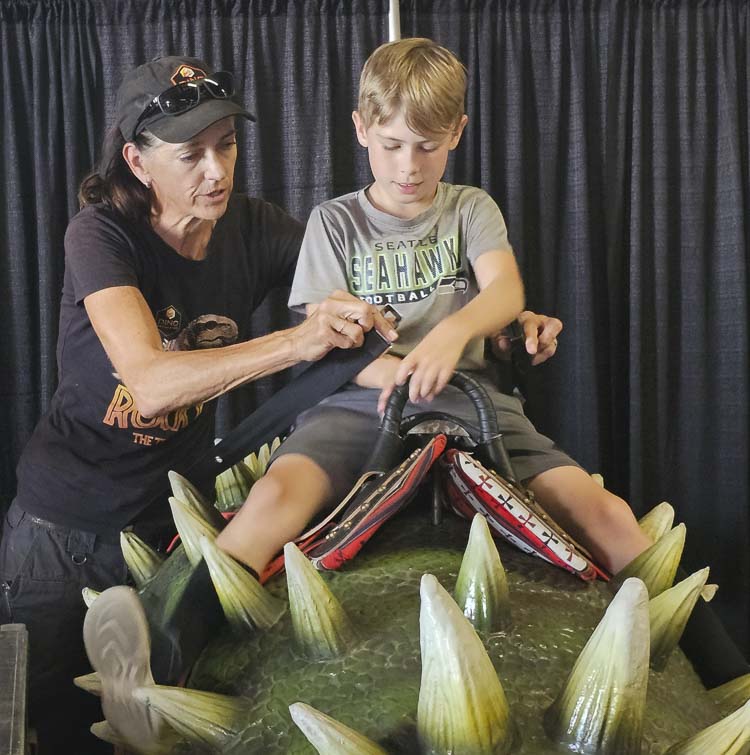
[289,479]
[268,487]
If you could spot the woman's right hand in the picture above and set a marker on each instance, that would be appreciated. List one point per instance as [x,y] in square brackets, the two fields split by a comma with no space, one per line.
[340,321]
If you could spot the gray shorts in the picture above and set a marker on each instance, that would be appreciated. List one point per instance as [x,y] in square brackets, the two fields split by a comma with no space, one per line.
[338,434]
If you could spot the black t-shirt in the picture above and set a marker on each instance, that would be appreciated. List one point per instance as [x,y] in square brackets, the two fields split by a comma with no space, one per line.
[94,460]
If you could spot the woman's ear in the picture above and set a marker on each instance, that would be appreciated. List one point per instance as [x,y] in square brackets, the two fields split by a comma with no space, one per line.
[134,158]
[359,127]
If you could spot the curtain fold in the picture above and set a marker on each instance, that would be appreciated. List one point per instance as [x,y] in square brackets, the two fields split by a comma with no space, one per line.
[677,188]
[612,133]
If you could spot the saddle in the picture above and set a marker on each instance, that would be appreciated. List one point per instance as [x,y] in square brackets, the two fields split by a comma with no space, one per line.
[473,473]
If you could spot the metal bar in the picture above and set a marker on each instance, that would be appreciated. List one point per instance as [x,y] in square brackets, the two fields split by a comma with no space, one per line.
[14,649]
[394,21]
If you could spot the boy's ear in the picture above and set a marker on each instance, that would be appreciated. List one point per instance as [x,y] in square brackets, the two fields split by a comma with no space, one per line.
[359,127]
[456,138]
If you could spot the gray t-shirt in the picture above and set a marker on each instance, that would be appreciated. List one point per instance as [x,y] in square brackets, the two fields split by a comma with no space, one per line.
[422,267]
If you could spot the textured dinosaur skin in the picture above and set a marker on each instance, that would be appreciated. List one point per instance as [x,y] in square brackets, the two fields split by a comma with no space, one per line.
[374,688]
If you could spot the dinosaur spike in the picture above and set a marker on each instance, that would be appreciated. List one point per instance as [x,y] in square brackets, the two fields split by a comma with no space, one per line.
[482,586]
[462,705]
[321,626]
[257,463]
[185,491]
[89,683]
[601,707]
[708,593]
[102,730]
[730,736]
[191,528]
[657,565]
[205,717]
[598,479]
[732,694]
[245,602]
[89,595]
[142,560]
[264,455]
[251,462]
[657,522]
[329,736]
[233,486]
[668,614]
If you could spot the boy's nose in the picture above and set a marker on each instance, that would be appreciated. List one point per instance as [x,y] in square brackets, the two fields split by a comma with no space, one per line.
[409,163]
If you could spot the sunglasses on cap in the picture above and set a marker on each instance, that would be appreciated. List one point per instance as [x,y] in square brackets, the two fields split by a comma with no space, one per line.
[187,95]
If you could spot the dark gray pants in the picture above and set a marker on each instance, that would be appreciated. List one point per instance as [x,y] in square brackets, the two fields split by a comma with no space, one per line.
[43,568]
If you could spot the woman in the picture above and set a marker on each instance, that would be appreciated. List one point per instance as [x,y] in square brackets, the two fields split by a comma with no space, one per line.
[164,267]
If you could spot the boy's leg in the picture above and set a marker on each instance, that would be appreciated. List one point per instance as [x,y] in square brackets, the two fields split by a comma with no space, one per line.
[605,525]
[277,510]
[600,521]
[316,465]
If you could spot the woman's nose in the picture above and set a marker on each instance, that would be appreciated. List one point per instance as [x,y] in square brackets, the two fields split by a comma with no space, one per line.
[215,168]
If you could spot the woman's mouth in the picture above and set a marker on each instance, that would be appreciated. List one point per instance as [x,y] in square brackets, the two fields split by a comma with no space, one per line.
[216,196]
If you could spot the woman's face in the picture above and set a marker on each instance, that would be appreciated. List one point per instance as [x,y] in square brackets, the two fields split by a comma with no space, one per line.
[194,178]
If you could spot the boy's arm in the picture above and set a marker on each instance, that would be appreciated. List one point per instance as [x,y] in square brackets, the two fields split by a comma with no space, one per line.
[433,361]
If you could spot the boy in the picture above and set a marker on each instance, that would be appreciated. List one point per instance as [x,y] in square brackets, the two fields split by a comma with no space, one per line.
[439,254]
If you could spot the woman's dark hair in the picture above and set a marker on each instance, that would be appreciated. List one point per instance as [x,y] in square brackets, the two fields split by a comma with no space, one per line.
[113,184]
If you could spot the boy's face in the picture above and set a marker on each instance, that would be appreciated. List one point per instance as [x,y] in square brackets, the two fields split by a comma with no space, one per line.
[406,166]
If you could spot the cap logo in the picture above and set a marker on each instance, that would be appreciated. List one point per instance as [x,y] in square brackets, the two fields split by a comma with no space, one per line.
[187,73]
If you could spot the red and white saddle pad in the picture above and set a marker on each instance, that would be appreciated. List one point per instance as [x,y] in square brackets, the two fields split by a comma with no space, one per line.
[373,500]
[517,517]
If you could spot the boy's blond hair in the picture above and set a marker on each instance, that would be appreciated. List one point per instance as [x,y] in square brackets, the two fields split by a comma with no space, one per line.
[418,76]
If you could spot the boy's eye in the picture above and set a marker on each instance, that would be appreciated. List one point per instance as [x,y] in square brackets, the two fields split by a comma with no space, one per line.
[391,149]
[188,157]
[428,148]
[229,145]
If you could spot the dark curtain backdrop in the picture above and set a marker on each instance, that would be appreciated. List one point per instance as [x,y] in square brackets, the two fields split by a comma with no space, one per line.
[613,134]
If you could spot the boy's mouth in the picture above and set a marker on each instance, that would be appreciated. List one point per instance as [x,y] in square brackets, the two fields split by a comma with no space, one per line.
[407,188]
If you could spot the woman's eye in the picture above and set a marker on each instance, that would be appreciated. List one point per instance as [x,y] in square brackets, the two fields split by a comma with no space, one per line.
[229,145]
[188,158]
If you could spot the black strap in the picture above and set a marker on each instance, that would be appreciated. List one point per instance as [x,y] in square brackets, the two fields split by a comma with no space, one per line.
[317,381]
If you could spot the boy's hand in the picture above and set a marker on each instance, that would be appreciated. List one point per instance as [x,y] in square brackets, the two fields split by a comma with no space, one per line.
[540,336]
[431,364]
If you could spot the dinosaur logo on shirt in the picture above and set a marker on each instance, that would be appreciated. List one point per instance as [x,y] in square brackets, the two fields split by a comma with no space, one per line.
[169,321]
[204,332]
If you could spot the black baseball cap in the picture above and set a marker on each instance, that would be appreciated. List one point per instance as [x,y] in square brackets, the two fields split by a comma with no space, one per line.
[142,85]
